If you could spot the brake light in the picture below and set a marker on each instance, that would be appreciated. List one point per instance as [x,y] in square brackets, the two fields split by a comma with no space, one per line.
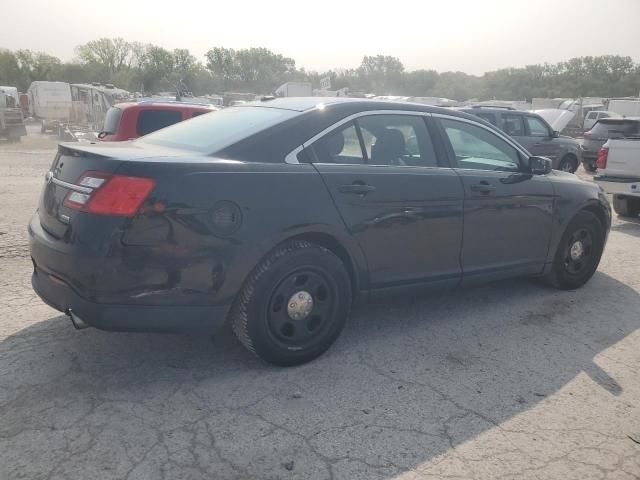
[602,158]
[115,195]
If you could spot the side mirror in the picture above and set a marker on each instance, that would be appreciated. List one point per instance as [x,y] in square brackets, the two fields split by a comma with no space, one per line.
[540,165]
[555,134]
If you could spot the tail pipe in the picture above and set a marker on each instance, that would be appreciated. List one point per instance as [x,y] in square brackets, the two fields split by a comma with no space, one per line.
[77,322]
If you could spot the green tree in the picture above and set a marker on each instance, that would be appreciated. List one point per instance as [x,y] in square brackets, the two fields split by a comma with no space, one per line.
[114,54]
[381,73]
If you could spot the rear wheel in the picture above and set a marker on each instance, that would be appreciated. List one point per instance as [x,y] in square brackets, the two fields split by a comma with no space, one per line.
[294,304]
[578,253]
[589,167]
[569,163]
[626,206]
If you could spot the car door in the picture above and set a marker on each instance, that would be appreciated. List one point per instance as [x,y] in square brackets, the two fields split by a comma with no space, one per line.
[541,138]
[397,198]
[507,211]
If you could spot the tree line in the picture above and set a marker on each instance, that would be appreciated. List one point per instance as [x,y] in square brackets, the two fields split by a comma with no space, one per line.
[150,68]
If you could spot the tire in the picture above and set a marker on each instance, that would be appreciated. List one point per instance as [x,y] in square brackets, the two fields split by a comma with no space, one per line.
[43,128]
[569,163]
[272,315]
[589,167]
[626,206]
[572,269]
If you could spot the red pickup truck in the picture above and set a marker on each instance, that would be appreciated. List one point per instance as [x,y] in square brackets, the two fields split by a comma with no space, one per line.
[126,121]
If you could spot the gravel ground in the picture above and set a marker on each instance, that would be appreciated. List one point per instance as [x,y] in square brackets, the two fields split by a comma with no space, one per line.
[511,380]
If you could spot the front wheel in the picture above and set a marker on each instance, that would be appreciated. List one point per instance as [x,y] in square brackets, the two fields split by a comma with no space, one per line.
[626,206]
[569,163]
[294,304]
[578,253]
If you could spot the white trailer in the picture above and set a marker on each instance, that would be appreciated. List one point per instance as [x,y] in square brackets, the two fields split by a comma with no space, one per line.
[50,102]
[12,92]
[294,89]
[627,107]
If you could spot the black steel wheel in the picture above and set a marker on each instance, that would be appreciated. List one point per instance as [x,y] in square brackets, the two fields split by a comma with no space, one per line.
[293,305]
[578,252]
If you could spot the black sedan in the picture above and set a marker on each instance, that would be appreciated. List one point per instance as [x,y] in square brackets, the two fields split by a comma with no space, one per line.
[278,215]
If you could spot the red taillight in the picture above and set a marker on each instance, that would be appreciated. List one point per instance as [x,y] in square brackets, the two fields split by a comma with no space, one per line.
[111,195]
[602,158]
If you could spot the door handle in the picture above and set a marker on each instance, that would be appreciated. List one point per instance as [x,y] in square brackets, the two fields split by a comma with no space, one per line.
[356,188]
[482,187]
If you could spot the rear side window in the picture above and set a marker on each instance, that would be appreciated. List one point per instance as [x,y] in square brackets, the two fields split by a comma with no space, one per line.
[152,120]
[341,146]
[400,140]
[512,125]
[112,120]
[489,117]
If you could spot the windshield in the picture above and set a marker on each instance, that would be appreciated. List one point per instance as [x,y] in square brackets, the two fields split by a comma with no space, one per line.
[211,133]
[112,120]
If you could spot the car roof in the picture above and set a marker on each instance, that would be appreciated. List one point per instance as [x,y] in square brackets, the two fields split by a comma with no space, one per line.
[508,110]
[345,106]
[152,105]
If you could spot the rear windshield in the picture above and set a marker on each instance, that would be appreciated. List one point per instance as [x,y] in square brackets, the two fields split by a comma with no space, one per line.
[152,120]
[211,133]
[613,129]
[112,120]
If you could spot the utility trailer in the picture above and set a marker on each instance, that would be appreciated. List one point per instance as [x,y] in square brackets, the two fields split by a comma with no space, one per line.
[11,119]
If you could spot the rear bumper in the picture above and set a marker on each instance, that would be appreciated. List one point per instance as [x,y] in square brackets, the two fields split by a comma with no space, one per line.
[619,186]
[126,318]
[64,292]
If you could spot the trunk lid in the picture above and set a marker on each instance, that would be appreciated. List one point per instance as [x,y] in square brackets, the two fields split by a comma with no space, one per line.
[71,162]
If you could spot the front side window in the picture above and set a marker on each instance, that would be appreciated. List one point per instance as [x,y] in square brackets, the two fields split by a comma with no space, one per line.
[477,148]
[401,140]
[512,125]
[341,146]
[152,120]
[537,127]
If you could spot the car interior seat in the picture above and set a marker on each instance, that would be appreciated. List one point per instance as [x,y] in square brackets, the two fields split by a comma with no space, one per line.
[389,148]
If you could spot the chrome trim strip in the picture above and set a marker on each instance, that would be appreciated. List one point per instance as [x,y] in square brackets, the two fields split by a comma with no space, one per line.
[71,186]
[292,156]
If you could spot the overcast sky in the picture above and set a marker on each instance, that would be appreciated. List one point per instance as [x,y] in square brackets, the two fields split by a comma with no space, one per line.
[473,36]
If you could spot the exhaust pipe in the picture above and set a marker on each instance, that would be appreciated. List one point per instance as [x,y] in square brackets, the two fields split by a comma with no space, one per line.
[77,322]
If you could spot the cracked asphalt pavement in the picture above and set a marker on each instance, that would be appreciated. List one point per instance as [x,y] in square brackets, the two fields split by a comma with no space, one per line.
[510,380]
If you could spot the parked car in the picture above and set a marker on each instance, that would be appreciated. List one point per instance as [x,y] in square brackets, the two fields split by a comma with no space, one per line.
[619,174]
[126,121]
[593,116]
[533,133]
[603,130]
[276,215]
